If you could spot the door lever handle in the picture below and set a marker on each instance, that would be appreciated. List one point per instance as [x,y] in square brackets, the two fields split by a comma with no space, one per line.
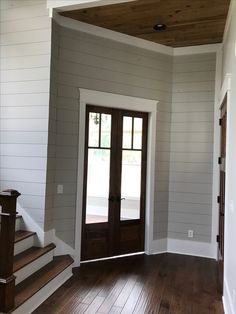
[120,199]
[116,199]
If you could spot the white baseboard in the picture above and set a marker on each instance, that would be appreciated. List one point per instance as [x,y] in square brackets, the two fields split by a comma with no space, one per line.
[61,247]
[193,248]
[227,300]
[159,246]
[43,238]
[37,299]
[185,247]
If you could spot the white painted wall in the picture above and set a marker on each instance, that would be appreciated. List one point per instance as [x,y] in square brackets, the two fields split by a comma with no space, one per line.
[229,66]
[34,164]
[25,38]
[191,152]
[92,62]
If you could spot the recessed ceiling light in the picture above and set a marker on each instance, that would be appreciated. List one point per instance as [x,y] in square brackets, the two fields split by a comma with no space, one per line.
[159,27]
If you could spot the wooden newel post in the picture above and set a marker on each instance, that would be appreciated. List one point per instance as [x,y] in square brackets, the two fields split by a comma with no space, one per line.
[8,201]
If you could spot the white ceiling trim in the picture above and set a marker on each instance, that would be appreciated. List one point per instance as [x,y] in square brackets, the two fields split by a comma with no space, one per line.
[133,41]
[196,49]
[67,5]
[229,18]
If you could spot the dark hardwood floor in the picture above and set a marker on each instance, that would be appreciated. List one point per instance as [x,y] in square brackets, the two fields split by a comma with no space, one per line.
[166,283]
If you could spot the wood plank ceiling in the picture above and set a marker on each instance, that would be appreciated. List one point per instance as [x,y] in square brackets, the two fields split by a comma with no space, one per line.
[189,22]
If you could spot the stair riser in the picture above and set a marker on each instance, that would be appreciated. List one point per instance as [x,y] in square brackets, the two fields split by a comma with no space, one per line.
[18,224]
[31,268]
[23,245]
[30,305]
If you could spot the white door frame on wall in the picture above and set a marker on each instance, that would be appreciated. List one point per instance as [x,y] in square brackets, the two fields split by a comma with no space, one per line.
[121,102]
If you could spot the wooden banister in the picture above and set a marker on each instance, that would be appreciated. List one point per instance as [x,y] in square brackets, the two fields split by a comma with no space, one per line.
[8,201]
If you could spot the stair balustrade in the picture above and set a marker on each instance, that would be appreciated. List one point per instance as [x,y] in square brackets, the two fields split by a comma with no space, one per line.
[8,214]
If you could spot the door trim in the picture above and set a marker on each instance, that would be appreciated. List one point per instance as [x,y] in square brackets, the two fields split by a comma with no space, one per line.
[111,100]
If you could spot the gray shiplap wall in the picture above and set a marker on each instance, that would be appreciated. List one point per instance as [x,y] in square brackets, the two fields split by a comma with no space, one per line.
[25,38]
[191,156]
[90,62]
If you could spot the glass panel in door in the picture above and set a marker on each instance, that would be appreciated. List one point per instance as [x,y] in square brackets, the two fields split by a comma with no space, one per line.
[131,168]
[98,168]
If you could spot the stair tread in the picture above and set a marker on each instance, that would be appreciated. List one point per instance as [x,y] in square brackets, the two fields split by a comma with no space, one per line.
[30,255]
[22,234]
[27,288]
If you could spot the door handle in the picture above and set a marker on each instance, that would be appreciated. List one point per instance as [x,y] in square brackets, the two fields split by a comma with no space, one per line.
[120,198]
[116,199]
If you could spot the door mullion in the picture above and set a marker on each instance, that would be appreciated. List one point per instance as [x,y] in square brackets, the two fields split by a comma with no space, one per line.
[115,182]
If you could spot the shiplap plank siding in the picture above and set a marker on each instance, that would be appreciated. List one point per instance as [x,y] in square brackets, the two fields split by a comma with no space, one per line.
[191,150]
[39,143]
[87,61]
[25,38]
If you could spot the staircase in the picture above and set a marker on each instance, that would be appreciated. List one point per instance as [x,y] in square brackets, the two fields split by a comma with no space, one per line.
[38,272]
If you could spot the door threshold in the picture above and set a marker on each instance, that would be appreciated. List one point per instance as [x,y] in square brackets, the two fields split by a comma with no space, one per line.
[111,257]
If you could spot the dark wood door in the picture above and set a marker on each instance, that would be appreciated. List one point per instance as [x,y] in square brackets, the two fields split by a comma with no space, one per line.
[114,182]
[223,123]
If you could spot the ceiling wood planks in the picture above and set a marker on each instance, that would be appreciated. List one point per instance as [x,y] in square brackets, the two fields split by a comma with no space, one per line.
[189,22]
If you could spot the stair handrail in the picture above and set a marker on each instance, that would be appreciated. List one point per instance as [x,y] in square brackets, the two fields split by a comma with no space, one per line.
[8,200]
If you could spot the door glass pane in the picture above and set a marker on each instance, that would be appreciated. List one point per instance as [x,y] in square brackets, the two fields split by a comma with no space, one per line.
[97,185]
[105,130]
[138,127]
[131,185]
[94,120]
[127,132]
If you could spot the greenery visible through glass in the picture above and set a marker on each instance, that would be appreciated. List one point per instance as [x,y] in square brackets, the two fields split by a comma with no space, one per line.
[105,130]
[94,119]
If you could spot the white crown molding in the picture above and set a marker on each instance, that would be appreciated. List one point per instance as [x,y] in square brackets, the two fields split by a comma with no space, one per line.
[67,5]
[112,35]
[229,18]
[133,41]
[197,49]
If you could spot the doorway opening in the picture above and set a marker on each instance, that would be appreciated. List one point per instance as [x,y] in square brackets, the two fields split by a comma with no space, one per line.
[114,196]
[112,100]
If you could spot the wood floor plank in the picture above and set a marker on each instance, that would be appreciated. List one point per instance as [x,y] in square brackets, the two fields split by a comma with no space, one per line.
[159,284]
[126,291]
[94,306]
[112,297]
[133,298]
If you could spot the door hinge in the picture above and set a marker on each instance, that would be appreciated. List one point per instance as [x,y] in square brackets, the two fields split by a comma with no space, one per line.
[219,160]
[220,121]
[218,238]
[218,199]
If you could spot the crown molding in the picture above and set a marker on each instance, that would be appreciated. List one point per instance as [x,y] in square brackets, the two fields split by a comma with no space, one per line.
[112,35]
[196,49]
[133,41]
[67,5]
[229,18]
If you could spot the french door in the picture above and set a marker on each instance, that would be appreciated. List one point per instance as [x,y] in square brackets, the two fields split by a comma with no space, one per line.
[114,182]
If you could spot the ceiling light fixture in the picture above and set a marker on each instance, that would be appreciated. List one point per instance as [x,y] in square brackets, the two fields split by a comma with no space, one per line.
[159,27]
